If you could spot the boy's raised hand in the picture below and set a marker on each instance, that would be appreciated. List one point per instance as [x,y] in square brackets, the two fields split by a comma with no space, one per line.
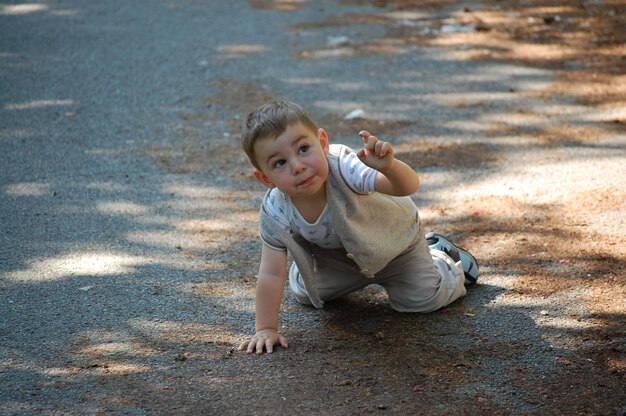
[375,153]
[263,339]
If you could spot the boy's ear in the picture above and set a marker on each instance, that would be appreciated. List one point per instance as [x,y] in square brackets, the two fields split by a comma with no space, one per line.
[323,138]
[260,176]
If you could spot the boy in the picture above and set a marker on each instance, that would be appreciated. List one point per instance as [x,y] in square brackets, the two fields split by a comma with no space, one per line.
[347,220]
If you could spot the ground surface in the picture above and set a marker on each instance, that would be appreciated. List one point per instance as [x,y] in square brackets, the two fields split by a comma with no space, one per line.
[128,243]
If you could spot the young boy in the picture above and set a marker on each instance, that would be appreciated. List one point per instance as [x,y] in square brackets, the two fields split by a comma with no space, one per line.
[347,220]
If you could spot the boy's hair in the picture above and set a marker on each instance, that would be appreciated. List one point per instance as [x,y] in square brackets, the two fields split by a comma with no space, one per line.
[270,121]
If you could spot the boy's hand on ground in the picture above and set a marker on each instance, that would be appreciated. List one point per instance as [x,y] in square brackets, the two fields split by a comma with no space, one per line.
[375,153]
[264,339]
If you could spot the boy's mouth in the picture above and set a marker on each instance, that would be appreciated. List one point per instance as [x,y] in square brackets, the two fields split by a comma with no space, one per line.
[307,180]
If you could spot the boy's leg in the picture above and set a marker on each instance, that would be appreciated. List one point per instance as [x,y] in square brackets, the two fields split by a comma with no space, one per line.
[423,280]
[335,276]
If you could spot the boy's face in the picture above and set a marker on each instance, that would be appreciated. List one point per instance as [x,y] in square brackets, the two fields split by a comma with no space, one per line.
[295,162]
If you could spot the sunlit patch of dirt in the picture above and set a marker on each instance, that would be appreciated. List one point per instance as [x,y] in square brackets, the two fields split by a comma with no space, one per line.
[117,348]
[242,48]
[280,5]
[552,252]
[609,296]
[549,246]
[595,88]
[585,42]
[575,134]
[185,333]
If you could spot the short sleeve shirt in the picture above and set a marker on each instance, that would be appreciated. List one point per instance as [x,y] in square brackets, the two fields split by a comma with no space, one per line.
[358,176]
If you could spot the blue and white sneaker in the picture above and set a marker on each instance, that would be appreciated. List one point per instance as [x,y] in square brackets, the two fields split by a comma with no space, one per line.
[470,264]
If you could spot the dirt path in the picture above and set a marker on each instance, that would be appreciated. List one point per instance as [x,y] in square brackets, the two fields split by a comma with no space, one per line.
[513,115]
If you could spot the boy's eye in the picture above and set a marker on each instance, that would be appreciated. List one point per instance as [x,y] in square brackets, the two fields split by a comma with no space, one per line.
[304,149]
[279,163]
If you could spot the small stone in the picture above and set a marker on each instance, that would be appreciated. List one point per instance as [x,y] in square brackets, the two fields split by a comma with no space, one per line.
[564,361]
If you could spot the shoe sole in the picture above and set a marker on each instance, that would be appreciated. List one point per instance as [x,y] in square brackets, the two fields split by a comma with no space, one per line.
[447,246]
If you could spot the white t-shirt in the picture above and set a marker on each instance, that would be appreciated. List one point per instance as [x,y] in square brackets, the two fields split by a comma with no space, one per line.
[358,176]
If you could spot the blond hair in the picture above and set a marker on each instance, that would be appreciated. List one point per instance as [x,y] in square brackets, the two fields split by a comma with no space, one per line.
[270,121]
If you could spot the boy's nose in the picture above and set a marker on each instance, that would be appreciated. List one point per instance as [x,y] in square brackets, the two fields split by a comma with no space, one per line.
[297,167]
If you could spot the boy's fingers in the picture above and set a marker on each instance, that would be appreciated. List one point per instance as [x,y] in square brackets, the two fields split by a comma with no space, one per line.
[371,143]
[386,149]
[379,148]
[251,345]
[364,134]
[361,154]
[283,341]
[243,346]
[269,345]
[259,346]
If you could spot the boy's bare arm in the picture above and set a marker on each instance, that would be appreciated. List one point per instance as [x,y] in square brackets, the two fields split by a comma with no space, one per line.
[395,177]
[269,295]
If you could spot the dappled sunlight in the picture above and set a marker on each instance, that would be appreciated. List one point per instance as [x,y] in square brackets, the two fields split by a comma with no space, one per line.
[522,176]
[206,225]
[281,5]
[503,72]
[171,239]
[542,310]
[470,125]
[28,189]
[121,208]
[179,332]
[113,348]
[21,9]
[13,134]
[109,186]
[212,197]
[457,99]
[242,48]
[306,81]
[486,44]
[403,15]
[36,104]
[564,322]
[352,86]
[212,290]
[341,107]
[111,367]
[540,187]
[77,264]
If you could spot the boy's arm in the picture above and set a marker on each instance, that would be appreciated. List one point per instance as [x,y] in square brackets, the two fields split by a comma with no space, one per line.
[394,177]
[269,295]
